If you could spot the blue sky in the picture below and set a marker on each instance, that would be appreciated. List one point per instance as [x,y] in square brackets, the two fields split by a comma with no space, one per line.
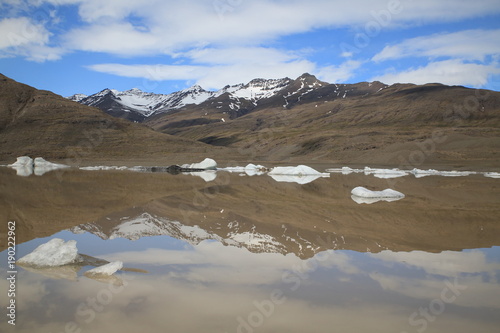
[84,46]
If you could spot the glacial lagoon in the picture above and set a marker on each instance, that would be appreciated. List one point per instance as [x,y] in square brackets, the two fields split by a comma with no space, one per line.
[243,252]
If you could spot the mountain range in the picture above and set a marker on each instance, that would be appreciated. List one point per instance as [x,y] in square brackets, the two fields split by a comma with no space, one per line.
[137,105]
[293,120]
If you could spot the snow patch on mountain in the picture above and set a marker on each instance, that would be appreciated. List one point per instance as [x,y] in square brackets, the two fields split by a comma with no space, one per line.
[149,103]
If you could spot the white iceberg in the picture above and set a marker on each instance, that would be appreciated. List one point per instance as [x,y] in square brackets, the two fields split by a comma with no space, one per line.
[106,270]
[55,252]
[300,170]
[301,174]
[22,161]
[250,169]
[23,166]
[363,195]
[492,174]
[418,173]
[344,170]
[42,166]
[385,173]
[106,168]
[206,164]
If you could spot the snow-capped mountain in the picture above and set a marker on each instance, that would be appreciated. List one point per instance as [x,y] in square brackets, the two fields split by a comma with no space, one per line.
[77,97]
[137,105]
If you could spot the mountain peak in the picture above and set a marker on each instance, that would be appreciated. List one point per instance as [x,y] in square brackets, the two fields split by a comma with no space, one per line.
[195,88]
[77,97]
[134,91]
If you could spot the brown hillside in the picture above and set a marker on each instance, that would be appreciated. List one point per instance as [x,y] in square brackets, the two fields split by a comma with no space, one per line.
[401,125]
[40,123]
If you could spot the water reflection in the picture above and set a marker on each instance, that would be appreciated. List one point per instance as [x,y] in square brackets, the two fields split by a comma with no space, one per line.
[210,287]
[437,214]
[248,254]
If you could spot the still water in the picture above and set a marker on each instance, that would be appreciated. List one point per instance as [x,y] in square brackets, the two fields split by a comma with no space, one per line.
[239,253]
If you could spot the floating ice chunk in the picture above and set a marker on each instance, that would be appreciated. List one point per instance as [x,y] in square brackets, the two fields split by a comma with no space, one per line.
[107,270]
[492,174]
[300,170]
[301,174]
[250,169]
[418,173]
[253,170]
[42,166]
[363,195]
[55,252]
[385,173]
[104,168]
[366,193]
[344,170]
[22,161]
[206,164]
[23,166]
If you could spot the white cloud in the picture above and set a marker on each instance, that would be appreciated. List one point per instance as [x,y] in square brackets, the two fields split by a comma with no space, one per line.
[21,31]
[114,38]
[341,73]
[468,44]
[449,72]
[210,76]
[213,68]
[21,37]
[158,27]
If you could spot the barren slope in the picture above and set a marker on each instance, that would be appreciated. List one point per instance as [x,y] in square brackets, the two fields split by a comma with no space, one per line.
[39,123]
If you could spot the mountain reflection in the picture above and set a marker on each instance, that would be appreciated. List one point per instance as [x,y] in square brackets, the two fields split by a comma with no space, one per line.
[438,214]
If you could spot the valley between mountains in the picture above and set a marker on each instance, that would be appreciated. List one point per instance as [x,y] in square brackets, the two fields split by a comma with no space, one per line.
[274,120]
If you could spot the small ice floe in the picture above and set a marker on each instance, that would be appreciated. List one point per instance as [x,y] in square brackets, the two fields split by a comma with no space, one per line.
[105,270]
[301,174]
[249,170]
[42,166]
[55,252]
[343,170]
[492,174]
[206,164]
[26,166]
[385,173]
[363,195]
[23,166]
[105,168]
[418,173]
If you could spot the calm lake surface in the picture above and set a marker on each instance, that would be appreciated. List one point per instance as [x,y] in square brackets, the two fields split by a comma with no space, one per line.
[239,253]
